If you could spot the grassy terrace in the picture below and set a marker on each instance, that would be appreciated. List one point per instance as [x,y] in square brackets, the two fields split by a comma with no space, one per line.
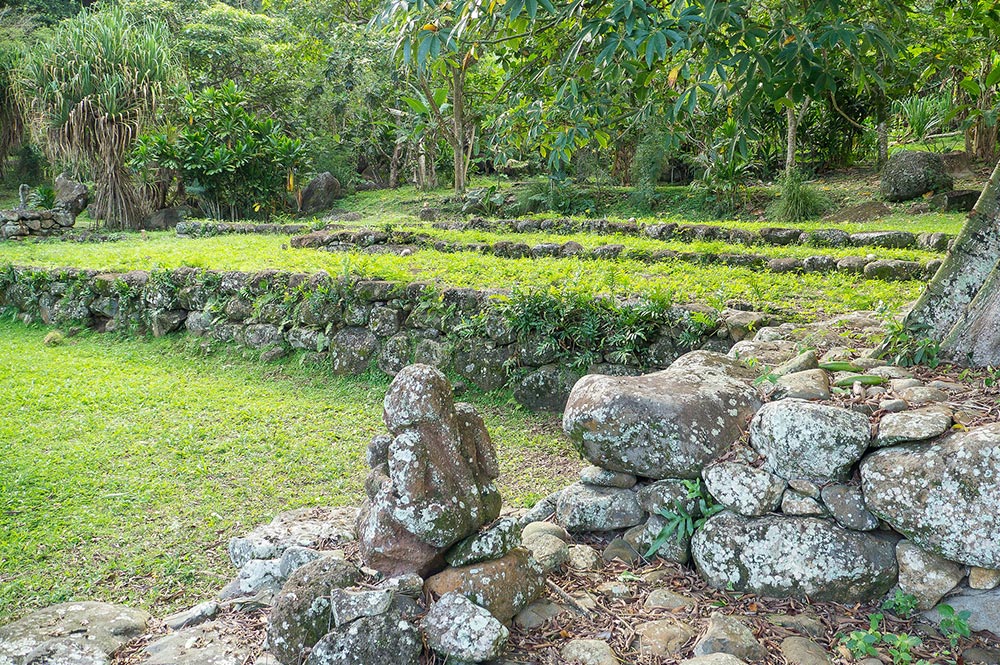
[809,295]
[126,464]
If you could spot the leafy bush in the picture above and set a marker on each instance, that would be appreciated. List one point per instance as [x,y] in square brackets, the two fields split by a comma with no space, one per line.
[901,604]
[556,195]
[235,162]
[725,169]
[42,197]
[798,201]
[923,113]
[907,344]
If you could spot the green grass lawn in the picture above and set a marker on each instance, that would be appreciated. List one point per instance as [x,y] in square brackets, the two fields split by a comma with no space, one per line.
[805,296]
[126,464]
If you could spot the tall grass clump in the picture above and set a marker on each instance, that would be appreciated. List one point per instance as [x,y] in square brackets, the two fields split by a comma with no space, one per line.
[89,90]
[798,201]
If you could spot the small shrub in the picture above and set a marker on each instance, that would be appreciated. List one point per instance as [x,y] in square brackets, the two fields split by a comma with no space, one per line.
[901,604]
[907,344]
[798,201]
[559,196]
[864,643]
[954,625]
[42,197]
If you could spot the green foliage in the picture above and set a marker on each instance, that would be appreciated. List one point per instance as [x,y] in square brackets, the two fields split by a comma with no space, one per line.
[237,163]
[581,329]
[682,523]
[90,87]
[954,625]
[923,113]
[42,197]
[556,195]
[798,201]
[900,646]
[901,604]
[907,344]
[864,643]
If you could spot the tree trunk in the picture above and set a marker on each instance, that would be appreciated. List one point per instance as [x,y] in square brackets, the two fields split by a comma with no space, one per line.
[397,153]
[883,144]
[793,128]
[960,308]
[459,133]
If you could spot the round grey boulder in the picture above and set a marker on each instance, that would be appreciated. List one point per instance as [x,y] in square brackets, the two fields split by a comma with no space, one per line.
[386,638]
[912,173]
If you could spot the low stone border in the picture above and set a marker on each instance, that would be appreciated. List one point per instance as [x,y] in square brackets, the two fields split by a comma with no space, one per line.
[353,326]
[17,224]
[831,237]
[204,229]
[406,242]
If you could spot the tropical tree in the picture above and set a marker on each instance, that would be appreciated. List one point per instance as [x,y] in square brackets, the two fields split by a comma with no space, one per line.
[13,31]
[89,89]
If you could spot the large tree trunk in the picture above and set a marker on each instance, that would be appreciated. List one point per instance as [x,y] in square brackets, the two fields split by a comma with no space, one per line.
[793,128]
[961,306]
[459,137]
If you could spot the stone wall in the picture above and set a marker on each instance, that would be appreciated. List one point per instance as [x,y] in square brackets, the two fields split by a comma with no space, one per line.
[16,224]
[355,325]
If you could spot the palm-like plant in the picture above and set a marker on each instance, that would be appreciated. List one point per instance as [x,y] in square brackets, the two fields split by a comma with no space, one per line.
[89,91]
[12,31]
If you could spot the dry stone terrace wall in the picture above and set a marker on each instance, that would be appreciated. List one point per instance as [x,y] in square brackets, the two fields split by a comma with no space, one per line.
[16,224]
[353,326]
[407,242]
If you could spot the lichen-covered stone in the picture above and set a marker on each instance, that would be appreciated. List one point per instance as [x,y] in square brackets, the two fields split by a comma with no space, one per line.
[915,425]
[303,527]
[846,504]
[664,638]
[435,486]
[726,634]
[800,439]
[807,384]
[546,389]
[796,557]
[504,587]
[944,496]
[386,638]
[667,424]
[346,605]
[666,495]
[97,626]
[493,543]
[925,576]
[352,351]
[458,629]
[912,173]
[744,489]
[595,475]
[301,612]
[549,551]
[802,505]
[589,508]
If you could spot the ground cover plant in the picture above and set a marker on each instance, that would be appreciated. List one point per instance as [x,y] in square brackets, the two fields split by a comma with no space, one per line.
[798,295]
[126,464]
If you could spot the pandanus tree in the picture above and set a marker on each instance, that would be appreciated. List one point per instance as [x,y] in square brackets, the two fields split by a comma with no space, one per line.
[88,91]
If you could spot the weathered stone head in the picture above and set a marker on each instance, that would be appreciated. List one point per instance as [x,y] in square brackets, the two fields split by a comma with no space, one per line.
[431,479]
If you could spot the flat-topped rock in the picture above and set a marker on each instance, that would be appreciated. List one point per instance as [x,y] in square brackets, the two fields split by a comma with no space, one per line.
[667,424]
[304,527]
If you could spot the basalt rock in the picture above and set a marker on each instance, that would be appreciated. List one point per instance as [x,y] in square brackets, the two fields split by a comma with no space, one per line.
[435,485]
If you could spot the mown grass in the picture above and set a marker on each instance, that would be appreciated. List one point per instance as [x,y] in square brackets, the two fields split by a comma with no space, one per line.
[804,296]
[126,464]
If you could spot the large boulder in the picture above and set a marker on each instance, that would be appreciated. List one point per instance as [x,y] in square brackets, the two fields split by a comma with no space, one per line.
[801,439]
[384,638]
[943,496]
[668,424]
[432,484]
[99,628]
[797,557]
[71,195]
[912,173]
[320,193]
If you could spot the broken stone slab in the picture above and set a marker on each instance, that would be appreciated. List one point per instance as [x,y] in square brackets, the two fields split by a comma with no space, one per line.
[386,638]
[667,424]
[99,626]
[595,475]
[808,384]
[192,616]
[943,496]
[801,439]
[846,504]
[492,543]
[212,643]
[346,605]
[663,638]
[458,629]
[797,557]
[315,528]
